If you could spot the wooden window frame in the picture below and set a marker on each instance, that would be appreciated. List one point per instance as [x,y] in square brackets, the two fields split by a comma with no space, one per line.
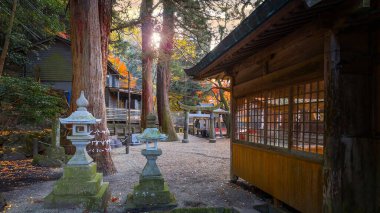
[290,94]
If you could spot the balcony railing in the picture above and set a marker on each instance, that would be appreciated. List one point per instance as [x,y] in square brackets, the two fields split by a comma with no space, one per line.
[121,114]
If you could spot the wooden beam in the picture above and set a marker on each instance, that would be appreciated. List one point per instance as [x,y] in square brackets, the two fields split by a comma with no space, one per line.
[306,70]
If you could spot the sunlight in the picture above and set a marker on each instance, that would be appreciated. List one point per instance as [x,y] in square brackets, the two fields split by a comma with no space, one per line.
[156,40]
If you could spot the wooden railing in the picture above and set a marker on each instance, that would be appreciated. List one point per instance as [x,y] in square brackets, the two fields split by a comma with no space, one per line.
[121,114]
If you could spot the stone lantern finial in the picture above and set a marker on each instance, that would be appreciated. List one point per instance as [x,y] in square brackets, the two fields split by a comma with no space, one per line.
[151,121]
[82,102]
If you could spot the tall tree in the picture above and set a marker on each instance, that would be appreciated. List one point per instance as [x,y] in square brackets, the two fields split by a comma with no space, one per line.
[147,59]
[163,71]
[88,74]
[4,51]
[105,19]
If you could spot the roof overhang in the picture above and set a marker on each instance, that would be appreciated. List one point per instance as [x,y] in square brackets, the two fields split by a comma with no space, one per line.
[271,21]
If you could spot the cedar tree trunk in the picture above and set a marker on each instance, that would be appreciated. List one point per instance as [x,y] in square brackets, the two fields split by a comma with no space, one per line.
[7,38]
[163,71]
[147,60]
[88,74]
[105,18]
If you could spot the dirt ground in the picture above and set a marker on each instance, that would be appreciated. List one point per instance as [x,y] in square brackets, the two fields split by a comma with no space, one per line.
[197,174]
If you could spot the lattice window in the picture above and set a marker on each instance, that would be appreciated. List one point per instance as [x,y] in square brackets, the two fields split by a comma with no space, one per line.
[308,115]
[264,117]
[256,107]
[277,117]
[241,119]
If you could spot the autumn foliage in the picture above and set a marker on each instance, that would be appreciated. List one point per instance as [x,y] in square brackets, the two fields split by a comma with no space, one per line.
[121,67]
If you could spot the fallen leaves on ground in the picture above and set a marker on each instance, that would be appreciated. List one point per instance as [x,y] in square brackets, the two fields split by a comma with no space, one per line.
[115,199]
[22,173]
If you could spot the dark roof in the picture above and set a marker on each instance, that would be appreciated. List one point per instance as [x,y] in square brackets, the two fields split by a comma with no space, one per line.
[66,41]
[268,23]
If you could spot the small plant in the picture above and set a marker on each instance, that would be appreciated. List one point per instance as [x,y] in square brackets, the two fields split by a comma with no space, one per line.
[24,101]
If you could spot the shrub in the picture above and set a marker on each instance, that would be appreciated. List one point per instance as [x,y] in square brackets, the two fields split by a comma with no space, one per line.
[24,101]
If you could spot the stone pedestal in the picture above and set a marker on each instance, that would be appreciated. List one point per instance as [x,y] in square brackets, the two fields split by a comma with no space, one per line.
[81,186]
[212,138]
[186,128]
[152,192]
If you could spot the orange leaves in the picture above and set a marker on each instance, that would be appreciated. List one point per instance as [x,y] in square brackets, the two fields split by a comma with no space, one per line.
[121,67]
[23,172]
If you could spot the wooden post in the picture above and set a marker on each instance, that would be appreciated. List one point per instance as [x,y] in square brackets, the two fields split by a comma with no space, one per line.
[129,140]
[118,98]
[233,177]
[349,155]
[186,128]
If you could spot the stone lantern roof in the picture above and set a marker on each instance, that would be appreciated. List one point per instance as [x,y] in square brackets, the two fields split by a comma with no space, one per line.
[151,133]
[81,115]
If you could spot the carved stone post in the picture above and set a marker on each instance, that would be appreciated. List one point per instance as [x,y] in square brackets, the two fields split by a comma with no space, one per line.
[186,128]
[212,128]
[220,125]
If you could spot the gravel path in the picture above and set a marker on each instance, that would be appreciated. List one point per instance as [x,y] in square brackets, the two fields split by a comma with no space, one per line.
[197,174]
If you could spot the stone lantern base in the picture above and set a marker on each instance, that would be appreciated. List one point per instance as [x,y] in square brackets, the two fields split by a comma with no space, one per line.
[152,192]
[81,186]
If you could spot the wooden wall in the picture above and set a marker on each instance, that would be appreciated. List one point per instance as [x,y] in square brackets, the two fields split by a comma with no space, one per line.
[377,114]
[295,58]
[52,64]
[295,181]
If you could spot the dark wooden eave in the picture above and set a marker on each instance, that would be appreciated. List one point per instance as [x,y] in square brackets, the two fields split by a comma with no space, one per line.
[271,21]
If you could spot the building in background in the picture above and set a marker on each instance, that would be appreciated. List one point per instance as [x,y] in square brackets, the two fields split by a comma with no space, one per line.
[50,62]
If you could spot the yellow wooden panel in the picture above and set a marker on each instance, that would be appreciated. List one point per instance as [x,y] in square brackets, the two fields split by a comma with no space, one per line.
[295,181]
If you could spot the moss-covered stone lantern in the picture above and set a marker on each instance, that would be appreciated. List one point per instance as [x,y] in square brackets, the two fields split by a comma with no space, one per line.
[152,192]
[80,185]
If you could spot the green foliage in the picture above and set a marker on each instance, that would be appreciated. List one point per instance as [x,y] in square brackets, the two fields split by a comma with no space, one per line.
[185,90]
[22,141]
[35,20]
[24,101]
[126,47]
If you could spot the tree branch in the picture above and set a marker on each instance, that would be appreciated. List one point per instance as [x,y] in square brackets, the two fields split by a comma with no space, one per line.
[134,22]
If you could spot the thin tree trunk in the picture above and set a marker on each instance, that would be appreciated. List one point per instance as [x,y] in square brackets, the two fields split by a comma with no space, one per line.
[147,60]
[88,74]
[163,71]
[7,38]
[226,117]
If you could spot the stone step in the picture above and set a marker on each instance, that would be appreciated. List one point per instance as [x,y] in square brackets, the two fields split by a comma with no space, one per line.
[97,202]
[68,187]
[80,172]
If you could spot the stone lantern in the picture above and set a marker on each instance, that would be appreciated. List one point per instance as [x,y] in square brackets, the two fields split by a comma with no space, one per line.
[152,192]
[80,185]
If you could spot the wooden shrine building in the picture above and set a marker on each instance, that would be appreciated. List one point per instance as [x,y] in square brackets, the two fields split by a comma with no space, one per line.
[305,102]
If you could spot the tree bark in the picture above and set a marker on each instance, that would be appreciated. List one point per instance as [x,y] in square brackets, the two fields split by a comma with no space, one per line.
[7,38]
[163,71]
[88,74]
[147,59]
[226,117]
[105,18]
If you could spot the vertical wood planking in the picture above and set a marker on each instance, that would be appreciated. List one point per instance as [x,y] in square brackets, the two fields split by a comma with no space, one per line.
[292,180]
